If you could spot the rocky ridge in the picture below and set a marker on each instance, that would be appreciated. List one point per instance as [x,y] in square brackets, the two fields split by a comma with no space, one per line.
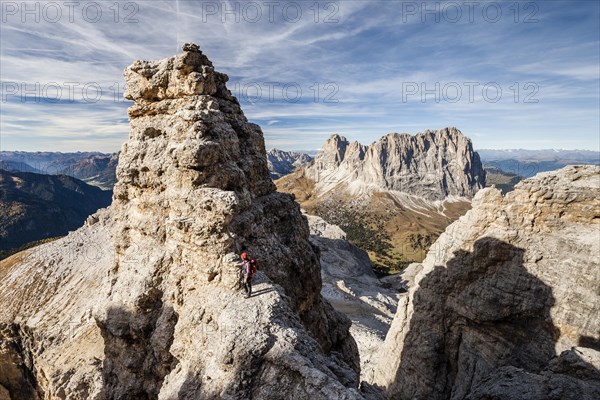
[147,290]
[505,306]
[432,165]
[281,162]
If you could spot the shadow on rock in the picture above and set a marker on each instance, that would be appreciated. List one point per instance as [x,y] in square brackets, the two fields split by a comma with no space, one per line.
[190,389]
[482,329]
[261,292]
[18,380]
[136,348]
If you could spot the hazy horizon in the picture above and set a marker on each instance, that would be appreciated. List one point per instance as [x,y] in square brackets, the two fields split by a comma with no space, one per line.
[305,151]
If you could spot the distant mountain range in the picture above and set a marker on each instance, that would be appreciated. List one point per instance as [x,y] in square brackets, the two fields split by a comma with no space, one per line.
[50,162]
[285,162]
[528,163]
[97,169]
[539,155]
[510,162]
[37,206]
[17,166]
[504,181]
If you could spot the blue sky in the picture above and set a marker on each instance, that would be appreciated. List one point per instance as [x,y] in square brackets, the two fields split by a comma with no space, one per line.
[306,69]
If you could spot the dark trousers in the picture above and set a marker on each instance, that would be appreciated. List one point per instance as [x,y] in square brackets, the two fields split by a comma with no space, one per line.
[248,285]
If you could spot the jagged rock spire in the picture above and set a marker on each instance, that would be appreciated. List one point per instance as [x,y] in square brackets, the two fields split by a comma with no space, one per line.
[162,315]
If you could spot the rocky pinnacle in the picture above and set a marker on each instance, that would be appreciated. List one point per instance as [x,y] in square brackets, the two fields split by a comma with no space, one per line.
[143,301]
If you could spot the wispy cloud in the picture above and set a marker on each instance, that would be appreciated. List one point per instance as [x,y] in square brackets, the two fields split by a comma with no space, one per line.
[354,61]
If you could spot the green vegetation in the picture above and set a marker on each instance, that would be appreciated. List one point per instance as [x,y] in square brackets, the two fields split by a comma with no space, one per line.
[389,266]
[362,230]
[368,233]
[421,241]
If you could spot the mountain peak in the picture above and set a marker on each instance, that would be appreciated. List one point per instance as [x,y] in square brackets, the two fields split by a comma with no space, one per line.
[432,165]
[334,150]
[337,138]
[154,277]
[187,74]
[191,47]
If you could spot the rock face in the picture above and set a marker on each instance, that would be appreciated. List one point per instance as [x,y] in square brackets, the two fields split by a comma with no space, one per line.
[281,162]
[506,303]
[142,302]
[431,165]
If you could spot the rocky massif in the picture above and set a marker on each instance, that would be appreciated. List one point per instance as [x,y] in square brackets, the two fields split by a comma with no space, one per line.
[399,185]
[142,302]
[505,305]
[431,165]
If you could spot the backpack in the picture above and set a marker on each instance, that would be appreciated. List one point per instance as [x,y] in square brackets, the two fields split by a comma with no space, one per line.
[253,267]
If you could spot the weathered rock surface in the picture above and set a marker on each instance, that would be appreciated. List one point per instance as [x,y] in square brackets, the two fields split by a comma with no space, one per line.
[431,165]
[352,288]
[506,303]
[281,162]
[142,302]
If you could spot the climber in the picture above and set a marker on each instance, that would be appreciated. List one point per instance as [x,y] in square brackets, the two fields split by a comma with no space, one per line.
[248,270]
[244,257]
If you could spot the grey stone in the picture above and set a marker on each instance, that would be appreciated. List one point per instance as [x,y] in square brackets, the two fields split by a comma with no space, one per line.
[505,306]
